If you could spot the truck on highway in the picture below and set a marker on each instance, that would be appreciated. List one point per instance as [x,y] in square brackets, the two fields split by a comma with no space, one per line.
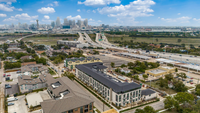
[11,99]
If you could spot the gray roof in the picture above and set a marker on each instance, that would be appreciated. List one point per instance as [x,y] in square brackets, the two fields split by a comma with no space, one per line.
[74,99]
[107,80]
[28,68]
[24,79]
[147,92]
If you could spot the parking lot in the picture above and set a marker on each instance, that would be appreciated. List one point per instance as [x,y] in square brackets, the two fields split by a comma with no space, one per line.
[13,90]
[13,75]
[19,105]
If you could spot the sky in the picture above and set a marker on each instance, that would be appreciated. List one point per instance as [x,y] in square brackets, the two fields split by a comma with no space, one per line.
[111,12]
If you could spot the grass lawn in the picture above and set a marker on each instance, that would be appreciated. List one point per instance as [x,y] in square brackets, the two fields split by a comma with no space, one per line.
[44,40]
[9,80]
[51,72]
[187,41]
[168,91]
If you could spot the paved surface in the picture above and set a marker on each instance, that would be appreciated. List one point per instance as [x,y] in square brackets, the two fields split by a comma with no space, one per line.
[97,103]
[157,106]
[13,90]
[44,95]
[19,105]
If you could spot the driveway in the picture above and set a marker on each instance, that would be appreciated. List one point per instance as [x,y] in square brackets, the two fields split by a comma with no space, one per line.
[19,107]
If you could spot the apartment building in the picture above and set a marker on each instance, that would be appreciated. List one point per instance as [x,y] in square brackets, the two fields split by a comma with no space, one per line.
[26,83]
[70,63]
[34,68]
[66,97]
[115,91]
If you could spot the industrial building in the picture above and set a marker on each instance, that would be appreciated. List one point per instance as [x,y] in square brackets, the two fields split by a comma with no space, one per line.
[115,91]
[70,63]
[76,44]
[160,71]
[66,97]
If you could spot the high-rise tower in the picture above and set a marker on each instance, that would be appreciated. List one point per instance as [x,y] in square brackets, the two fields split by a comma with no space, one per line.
[37,24]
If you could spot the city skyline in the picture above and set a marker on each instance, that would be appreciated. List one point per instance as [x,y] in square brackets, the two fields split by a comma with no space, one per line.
[111,12]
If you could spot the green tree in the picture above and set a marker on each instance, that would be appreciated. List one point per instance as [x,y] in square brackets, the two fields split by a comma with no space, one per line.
[169,77]
[145,76]
[184,97]
[121,38]
[179,86]
[169,102]
[112,64]
[176,70]
[156,40]
[139,111]
[123,65]
[149,109]
[130,64]
[69,75]
[179,40]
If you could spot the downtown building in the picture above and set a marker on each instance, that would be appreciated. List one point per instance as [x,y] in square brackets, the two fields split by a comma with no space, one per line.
[113,90]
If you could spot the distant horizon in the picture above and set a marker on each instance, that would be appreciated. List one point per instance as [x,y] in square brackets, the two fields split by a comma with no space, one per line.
[109,12]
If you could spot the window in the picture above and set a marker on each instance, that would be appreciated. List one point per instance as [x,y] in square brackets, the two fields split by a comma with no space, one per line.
[70,111]
[90,106]
[81,110]
[117,98]
[150,95]
[86,108]
[133,94]
[21,87]
[127,96]
[76,109]
[136,93]
[64,112]
[108,92]
[116,104]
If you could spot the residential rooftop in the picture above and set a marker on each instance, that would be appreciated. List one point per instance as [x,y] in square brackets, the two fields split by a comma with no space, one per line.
[116,85]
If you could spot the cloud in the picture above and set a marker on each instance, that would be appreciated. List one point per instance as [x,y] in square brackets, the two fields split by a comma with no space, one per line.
[46,10]
[56,3]
[91,19]
[46,17]
[126,14]
[20,9]
[184,19]
[9,3]
[99,2]
[99,21]
[78,17]
[179,14]
[3,15]
[23,16]
[94,11]
[198,20]
[50,4]
[4,7]
[78,10]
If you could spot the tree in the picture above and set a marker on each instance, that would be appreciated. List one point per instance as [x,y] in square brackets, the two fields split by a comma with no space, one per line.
[41,60]
[176,70]
[147,109]
[169,77]
[130,64]
[112,64]
[169,102]
[136,77]
[156,40]
[179,86]
[121,38]
[163,83]
[145,76]
[139,111]
[184,97]
[123,65]
[179,40]
[69,75]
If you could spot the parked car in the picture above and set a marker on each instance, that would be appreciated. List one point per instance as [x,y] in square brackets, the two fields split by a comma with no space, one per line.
[7,86]
[18,71]
[8,75]
[188,81]
[4,75]
[191,83]
[11,99]
[10,104]
[191,78]
[183,79]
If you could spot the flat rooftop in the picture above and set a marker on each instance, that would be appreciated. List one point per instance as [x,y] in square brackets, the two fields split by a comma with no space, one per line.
[157,71]
[166,67]
[116,85]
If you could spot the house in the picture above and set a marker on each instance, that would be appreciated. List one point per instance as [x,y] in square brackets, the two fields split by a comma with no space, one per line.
[148,94]
[13,45]
[125,70]
[170,84]
[26,57]
[66,97]
[113,90]
[26,83]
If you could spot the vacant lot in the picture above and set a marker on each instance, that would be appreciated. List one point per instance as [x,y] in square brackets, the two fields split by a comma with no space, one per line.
[46,40]
[187,41]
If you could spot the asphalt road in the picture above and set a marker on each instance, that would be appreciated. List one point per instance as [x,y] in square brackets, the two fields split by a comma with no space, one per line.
[97,103]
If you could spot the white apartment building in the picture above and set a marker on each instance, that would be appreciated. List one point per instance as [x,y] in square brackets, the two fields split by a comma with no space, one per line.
[115,91]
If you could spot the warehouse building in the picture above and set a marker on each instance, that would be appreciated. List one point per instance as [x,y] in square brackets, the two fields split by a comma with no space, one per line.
[76,44]
[115,91]
[160,71]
